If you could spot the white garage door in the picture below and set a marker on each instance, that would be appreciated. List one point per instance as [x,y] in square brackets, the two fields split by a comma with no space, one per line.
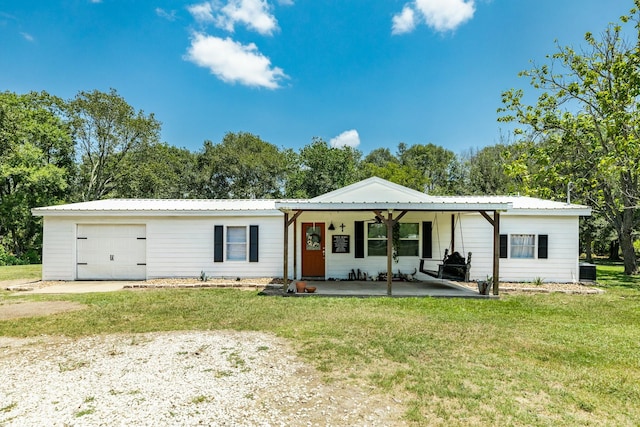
[111,252]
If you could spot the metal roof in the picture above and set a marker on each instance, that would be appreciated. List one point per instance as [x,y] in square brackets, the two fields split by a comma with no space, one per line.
[367,195]
[162,207]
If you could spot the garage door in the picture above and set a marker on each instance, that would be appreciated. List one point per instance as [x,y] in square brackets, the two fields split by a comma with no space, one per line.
[111,252]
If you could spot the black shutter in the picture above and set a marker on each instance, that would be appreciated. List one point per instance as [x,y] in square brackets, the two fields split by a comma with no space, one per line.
[503,245]
[253,243]
[218,243]
[359,237]
[543,245]
[427,235]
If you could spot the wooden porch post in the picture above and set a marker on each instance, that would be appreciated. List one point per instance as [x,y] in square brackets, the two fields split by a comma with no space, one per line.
[287,223]
[496,252]
[389,222]
[285,277]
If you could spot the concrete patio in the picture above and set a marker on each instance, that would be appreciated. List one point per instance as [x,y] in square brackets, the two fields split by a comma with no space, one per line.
[431,288]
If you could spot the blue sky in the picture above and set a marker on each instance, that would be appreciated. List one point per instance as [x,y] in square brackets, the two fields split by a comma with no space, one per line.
[366,73]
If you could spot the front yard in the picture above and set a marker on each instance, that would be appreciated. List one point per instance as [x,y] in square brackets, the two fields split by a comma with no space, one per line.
[539,359]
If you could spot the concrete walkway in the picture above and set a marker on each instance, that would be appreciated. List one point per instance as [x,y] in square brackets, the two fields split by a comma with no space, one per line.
[431,288]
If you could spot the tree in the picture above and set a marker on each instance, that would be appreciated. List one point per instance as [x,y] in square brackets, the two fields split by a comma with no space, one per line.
[322,169]
[380,157]
[588,117]
[241,166]
[488,170]
[381,163]
[439,167]
[36,158]
[106,130]
[159,171]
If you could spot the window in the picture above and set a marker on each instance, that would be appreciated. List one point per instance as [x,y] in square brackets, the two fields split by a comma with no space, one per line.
[236,243]
[523,245]
[409,239]
[407,246]
[376,239]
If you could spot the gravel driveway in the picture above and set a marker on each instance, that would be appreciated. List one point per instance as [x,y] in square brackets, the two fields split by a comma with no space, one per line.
[178,378]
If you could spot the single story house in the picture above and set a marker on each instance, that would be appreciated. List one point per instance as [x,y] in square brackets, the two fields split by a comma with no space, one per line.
[331,236]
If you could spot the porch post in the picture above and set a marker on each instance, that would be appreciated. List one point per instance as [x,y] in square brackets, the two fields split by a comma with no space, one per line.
[389,222]
[285,277]
[496,252]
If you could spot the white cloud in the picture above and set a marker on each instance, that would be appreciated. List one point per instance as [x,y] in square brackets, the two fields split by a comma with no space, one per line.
[202,12]
[441,15]
[404,22]
[169,16]
[233,62]
[28,37]
[253,14]
[348,138]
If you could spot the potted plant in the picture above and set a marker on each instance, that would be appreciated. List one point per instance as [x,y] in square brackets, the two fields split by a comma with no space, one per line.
[300,285]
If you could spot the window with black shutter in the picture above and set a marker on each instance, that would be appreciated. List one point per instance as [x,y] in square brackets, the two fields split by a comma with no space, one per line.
[543,245]
[253,243]
[218,243]
[359,239]
[427,242]
[504,241]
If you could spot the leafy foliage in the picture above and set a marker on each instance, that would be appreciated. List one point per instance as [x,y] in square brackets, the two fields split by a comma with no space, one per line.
[586,124]
[322,169]
[107,129]
[35,161]
[242,166]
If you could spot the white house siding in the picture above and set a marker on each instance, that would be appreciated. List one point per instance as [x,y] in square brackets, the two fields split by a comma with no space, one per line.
[176,246]
[473,234]
[183,247]
[560,266]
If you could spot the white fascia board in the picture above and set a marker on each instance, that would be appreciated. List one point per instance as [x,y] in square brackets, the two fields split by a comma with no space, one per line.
[370,206]
[153,213]
[550,212]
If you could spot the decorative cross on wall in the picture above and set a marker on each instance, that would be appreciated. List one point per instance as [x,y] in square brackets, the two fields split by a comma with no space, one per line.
[342,227]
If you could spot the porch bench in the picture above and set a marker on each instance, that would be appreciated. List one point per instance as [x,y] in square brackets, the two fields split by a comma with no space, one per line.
[453,267]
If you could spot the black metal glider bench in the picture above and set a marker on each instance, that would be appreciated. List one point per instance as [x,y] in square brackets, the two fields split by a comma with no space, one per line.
[453,267]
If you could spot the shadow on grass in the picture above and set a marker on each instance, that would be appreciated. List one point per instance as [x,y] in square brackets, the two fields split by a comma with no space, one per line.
[611,274]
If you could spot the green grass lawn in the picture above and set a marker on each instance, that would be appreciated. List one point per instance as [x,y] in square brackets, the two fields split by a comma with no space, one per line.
[14,272]
[545,359]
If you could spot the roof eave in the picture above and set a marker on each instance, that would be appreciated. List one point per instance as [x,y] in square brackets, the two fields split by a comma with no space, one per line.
[411,206]
[147,213]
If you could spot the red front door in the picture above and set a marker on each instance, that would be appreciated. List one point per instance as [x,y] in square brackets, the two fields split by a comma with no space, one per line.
[313,249]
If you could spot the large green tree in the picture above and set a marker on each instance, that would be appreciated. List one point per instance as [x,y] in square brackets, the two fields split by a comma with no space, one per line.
[381,163]
[488,169]
[242,166]
[587,117]
[157,171]
[36,159]
[107,129]
[438,166]
[322,168]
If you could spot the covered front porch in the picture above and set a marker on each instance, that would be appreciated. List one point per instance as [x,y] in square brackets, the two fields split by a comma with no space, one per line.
[361,289]
[368,229]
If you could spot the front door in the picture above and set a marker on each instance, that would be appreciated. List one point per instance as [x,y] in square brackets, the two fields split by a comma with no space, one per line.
[313,249]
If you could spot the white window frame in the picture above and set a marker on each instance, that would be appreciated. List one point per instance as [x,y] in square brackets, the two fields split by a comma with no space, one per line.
[379,239]
[412,238]
[524,249]
[234,248]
